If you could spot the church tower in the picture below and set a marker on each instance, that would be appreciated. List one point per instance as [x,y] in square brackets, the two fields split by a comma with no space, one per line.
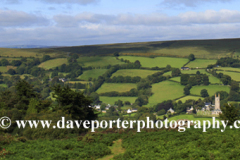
[217,102]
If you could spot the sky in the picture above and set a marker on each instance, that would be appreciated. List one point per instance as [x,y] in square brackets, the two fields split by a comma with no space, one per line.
[87,22]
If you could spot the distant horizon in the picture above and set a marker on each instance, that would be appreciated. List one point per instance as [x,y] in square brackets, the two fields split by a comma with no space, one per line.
[48,46]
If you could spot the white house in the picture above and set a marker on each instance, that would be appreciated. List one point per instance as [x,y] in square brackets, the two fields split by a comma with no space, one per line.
[129,111]
[97,107]
[134,110]
[171,110]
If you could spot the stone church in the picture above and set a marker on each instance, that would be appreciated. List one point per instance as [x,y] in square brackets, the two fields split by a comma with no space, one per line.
[206,110]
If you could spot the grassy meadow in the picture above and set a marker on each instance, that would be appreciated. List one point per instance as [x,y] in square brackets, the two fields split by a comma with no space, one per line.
[10,52]
[157,61]
[201,63]
[228,69]
[97,61]
[94,73]
[194,71]
[119,87]
[112,100]
[134,72]
[235,76]
[212,89]
[53,63]
[189,97]
[165,90]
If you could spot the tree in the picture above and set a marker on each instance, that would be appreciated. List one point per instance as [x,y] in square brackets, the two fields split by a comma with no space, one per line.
[4,62]
[234,86]
[45,58]
[191,57]
[198,72]
[11,71]
[103,106]
[184,79]
[204,93]
[73,103]
[176,72]
[205,80]
[187,89]
[161,112]
[119,103]
[116,54]
[230,113]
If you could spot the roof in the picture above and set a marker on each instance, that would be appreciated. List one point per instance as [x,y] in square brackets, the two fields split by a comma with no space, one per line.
[208,103]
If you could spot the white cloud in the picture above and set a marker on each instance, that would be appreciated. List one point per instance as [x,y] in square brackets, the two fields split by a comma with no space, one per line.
[188,18]
[81,2]
[190,3]
[9,18]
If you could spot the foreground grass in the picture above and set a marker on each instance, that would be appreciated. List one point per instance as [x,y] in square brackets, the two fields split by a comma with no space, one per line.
[95,73]
[118,87]
[158,61]
[134,72]
[212,89]
[112,100]
[166,90]
[53,63]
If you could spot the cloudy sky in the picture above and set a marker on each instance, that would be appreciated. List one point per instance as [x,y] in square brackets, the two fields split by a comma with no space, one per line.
[85,22]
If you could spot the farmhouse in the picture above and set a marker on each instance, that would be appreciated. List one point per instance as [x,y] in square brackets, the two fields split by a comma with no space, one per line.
[185,68]
[190,110]
[171,110]
[129,111]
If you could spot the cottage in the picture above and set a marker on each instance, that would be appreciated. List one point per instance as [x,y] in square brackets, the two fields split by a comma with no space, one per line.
[129,111]
[185,68]
[171,110]
[134,110]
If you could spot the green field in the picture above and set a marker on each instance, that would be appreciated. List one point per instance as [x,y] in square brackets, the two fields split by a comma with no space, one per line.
[95,73]
[212,89]
[200,63]
[177,79]
[158,61]
[112,100]
[53,63]
[134,72]
[98,61]
[119,87]
[168,73]
[10,52]
[193,71]
[189,97]
[166,90]
[3,69]
[189,117]
[214,80]
[228,69]
[3,85]
[235,76]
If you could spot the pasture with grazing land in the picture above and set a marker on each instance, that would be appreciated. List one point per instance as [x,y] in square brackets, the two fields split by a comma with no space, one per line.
[53,63]
[189,97]
[228,69]
[200,63]
[98,61]
[94,73]
[157,61]
[235,76]
[112,100]
[165,90]
[193,71]
[177,79]
[212,89]
[134,72]
[118,87]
